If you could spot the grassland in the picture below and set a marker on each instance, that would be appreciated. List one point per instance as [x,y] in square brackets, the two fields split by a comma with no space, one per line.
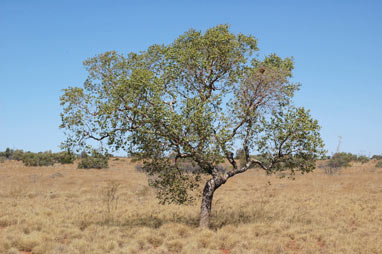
[63,210]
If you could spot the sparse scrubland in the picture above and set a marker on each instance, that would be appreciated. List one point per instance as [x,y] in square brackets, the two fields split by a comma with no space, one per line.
[63,210]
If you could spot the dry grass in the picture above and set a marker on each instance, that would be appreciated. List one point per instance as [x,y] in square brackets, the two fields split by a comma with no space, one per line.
[114,211]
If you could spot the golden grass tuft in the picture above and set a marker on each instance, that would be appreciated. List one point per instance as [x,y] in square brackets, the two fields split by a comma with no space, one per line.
[114,211]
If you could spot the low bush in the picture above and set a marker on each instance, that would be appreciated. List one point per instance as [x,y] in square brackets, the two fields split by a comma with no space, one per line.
[379,164]
[376,157]
[240,156]
[7,154]
[38,159]
[2,159]
[65,157]
[97,161]
[17,155]
[184,165]
[10,154]
[363,159]
[341,160]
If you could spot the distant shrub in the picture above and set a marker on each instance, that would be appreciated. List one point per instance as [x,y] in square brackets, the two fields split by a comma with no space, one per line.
[376,157]
[379,164]
[7,154]
[341,160]
[363,159]
[338,161]
[2,159]
[184,165]
[240,156]
[38,159]
[65,157]
[97,161]
[10,154]
[17,155]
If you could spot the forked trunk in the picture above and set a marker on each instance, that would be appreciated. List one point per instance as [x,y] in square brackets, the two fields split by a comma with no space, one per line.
[209,189]
[208,194]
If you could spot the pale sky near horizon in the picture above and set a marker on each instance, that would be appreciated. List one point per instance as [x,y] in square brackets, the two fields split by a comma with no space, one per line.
[337,47]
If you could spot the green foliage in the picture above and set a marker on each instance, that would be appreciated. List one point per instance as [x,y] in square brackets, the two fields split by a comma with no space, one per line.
[96,160]
[171,184]
[378,164]
[38,159]
[297,133]
[341,160]
[7,154]
[65,157]
[240,156]
[363,159]
[376,157]
[17,155]
[10,154]
[196,98]
[42,158]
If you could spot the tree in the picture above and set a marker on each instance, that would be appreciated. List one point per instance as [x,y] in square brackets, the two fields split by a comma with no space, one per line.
[199,99]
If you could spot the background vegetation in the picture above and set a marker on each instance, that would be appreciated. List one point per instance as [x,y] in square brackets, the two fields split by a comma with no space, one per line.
[95,160]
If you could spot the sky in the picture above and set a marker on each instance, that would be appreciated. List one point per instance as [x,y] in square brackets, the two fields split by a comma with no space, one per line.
[336,45]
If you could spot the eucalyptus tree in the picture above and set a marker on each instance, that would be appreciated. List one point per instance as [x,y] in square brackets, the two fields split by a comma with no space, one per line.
[199,98]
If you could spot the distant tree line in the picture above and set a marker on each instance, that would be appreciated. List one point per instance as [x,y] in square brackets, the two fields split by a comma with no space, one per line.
[48,158]
[95,159]
[343,160]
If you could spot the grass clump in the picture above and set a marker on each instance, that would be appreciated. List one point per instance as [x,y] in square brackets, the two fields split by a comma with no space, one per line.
[379,164]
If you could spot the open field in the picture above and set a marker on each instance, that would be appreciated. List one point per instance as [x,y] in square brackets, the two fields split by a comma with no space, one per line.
[63,210]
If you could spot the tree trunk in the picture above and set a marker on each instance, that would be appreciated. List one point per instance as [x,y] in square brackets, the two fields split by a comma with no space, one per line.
[205,209]
[213,184]
[208,194]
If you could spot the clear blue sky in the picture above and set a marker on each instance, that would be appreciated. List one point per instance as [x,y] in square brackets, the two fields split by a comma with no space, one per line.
[337,46]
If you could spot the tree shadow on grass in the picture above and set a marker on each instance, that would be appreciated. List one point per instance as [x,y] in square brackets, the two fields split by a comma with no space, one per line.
[219,218]
[151,221]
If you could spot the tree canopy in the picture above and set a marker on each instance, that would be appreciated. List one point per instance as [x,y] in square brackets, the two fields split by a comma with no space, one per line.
[200,98]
